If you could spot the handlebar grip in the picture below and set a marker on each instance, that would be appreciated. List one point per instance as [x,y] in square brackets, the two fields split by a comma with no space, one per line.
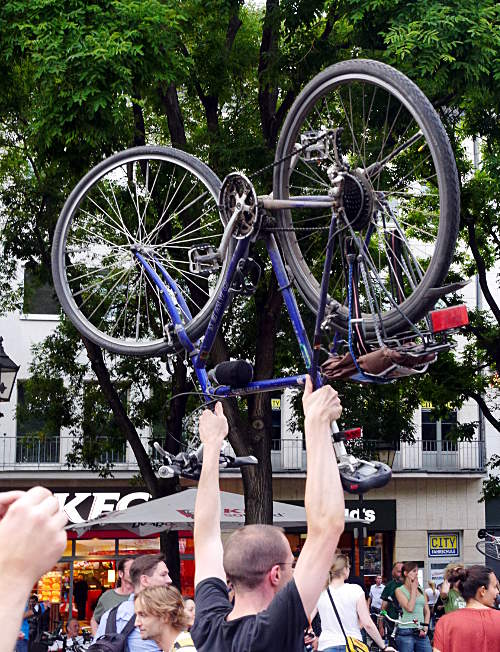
[334,427]
[243,461]
[167,472]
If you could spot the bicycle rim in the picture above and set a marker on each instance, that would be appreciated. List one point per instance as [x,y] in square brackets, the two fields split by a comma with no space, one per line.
[161,202]
[490,549]
[402,203]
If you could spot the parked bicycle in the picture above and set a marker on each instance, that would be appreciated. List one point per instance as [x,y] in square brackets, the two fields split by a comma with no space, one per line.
[151,248]
[488,544]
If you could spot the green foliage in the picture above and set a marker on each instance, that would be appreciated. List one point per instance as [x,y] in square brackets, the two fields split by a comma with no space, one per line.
[78,78]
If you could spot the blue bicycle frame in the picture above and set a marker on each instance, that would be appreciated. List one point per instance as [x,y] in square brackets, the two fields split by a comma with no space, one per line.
[199,351]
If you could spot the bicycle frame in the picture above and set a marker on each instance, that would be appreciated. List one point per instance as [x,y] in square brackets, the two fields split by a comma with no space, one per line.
[199,351]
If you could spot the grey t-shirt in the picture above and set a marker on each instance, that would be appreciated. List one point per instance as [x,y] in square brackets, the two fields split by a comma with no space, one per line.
[107,601]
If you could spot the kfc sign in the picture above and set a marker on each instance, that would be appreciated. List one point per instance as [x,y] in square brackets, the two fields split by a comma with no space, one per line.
[85,506]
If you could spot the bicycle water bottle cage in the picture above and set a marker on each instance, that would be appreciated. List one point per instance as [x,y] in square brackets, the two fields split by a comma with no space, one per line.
[238,204]
[203,260]
[246,277]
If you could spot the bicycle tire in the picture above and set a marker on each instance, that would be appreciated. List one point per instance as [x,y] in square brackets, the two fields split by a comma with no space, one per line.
[161,199]
[489,549]
[355,75]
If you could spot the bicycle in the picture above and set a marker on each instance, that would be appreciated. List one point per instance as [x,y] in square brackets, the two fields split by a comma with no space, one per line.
[151,248]
[418,626]
[489,545]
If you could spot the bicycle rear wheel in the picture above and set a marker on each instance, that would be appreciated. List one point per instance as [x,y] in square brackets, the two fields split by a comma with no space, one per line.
[162,202]
[490,549]
[400,192]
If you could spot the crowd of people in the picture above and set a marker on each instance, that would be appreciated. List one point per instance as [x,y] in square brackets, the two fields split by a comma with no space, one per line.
[252,594]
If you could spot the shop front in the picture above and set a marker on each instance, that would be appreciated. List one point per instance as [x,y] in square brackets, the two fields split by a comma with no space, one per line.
[88,566]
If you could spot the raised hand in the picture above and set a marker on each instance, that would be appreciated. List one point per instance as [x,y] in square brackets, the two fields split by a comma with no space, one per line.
[322,405]
[27,519]
[213,426]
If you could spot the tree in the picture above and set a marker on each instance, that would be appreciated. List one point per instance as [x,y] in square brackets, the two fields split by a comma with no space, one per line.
[217,78]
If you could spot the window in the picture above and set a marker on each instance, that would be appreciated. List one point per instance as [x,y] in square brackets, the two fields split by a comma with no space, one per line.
[276,399]
[39,294]
[103,439]
[38,421]
[435,433]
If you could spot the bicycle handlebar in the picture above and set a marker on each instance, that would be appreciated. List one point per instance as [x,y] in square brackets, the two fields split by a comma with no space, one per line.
[188,465]
[416,622]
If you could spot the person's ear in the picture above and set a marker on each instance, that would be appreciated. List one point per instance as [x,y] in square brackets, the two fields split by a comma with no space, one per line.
[274,575]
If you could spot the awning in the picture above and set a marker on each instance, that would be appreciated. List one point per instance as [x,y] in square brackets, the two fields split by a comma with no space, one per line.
[176,512]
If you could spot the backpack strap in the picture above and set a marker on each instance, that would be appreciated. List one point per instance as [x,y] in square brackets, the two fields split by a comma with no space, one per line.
[129,627]
[111,621]
[111,624]
[338,618]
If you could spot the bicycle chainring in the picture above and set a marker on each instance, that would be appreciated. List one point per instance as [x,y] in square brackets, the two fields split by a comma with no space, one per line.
[237,195]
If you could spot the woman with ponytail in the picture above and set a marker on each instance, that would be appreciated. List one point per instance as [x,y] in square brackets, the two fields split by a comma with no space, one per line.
[344,612]
[477,627]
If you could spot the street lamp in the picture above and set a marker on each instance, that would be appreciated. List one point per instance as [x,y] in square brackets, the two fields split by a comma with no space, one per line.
[385,451]
[8,373]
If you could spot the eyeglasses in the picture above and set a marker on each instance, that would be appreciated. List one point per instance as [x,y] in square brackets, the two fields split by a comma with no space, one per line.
[285,563]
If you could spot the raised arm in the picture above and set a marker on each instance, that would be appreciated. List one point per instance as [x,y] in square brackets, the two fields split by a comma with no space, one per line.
[26,517]
[324,497]
[208,550]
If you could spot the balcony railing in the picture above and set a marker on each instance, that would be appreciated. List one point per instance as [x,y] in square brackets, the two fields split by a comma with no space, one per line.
[28,452]
[287,455]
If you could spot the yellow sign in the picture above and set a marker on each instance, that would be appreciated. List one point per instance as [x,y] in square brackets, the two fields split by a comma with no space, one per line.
[443,544]
[275,404]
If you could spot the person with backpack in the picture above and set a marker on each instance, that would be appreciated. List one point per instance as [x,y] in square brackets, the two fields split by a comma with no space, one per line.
[117,631]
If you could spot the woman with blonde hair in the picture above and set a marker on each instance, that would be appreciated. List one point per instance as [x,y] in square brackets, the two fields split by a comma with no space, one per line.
[342,608]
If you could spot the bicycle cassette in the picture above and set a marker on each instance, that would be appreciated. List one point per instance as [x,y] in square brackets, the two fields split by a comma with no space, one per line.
[238,202]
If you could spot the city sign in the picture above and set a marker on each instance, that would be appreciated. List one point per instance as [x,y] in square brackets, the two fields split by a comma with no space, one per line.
[443,544]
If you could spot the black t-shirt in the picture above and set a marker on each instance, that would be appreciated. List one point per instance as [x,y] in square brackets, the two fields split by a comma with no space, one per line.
[280,627]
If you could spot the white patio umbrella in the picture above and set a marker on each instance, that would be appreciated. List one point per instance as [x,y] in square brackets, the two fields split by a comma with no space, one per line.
[176,512]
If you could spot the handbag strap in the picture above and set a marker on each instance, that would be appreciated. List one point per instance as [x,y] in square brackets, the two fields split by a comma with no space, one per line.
[338,617]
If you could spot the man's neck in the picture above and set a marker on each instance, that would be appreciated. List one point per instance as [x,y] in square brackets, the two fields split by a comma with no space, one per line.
[250,603]
[475,604]
[121,591]
[167,639]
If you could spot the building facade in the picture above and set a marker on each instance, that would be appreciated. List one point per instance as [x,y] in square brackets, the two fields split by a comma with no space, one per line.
[430,511]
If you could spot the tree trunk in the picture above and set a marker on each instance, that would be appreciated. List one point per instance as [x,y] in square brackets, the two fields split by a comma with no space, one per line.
[170,102]
[169,545]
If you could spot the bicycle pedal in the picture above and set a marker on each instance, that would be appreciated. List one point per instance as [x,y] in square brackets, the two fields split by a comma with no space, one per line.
[361,476]
[235,373]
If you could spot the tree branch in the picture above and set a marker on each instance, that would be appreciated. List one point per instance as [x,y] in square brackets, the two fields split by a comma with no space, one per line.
[125,424]
[486,411]
[481,268]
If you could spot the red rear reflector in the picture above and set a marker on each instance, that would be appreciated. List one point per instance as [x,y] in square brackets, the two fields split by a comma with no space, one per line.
[353,487]
[453,317]
[353,433]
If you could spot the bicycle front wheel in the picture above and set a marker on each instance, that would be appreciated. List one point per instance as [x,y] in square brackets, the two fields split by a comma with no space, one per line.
[161,202]
[371,125]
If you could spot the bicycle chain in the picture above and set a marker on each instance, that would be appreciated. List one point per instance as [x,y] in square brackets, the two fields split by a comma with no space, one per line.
[282,229]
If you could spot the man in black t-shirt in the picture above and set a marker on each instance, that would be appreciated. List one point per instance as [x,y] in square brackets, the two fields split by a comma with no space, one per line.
[272,602]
